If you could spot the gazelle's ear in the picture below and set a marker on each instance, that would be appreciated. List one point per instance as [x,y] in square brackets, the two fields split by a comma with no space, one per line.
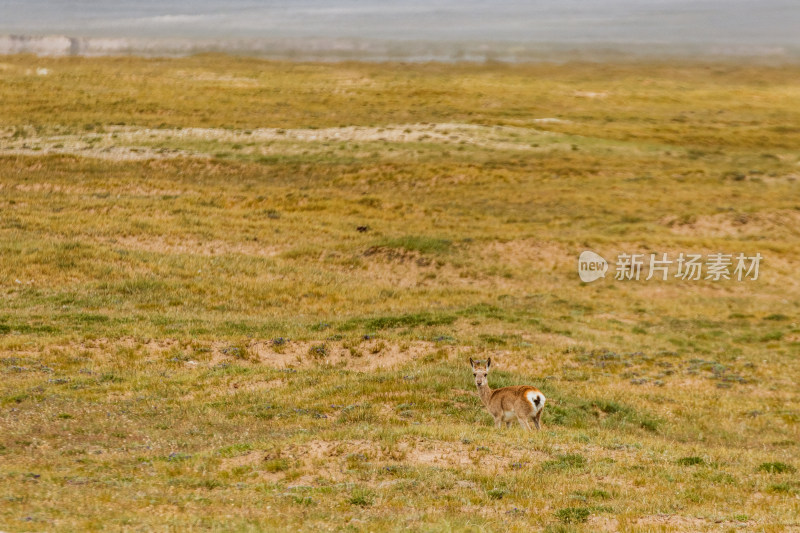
[471,363]
[488,363]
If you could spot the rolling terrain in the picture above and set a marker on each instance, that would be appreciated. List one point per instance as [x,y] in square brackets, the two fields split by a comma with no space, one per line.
[241,295]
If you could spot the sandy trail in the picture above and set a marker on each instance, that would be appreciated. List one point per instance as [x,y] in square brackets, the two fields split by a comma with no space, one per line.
[123,143]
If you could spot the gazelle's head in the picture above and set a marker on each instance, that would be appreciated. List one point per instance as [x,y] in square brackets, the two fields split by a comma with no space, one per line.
[480,369]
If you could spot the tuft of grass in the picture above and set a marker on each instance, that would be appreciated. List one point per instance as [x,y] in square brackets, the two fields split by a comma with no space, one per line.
[318,351]
[421,244]
[238,351]
[787,488]
[361,497]
[568,461]
[573,515]
[410,320]
[357,414]
[235,450]
[496,493]
[278,464]
[776,467]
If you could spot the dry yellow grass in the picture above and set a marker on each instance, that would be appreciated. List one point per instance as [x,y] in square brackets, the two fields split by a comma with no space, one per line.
[195,335]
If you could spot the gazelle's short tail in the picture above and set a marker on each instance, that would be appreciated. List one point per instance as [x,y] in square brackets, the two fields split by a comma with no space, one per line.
[536,398]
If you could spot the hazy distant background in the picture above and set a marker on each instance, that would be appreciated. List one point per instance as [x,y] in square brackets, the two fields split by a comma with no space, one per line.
[432,27]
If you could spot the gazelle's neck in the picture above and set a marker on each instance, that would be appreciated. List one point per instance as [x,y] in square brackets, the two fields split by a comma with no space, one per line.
[485,393]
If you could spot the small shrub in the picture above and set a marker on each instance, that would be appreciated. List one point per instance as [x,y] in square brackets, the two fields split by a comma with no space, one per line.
[435,357]
[691,461]
[573,515]
[361,497]
[355,352]
[785,488]
[378,348]
[178,456]
[356,460]
[235,450]
[302,500]
[397,469]
[599,494]
[771,336]
[496,340]
[209,484]
[276,465]
[357,413]
[238,351]
[318,351]
[496,494]
[565,462]
[649,424]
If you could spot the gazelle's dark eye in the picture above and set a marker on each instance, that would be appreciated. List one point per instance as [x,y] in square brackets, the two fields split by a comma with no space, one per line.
[474,374]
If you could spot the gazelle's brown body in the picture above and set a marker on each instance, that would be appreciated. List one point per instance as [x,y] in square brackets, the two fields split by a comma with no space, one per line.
[519,402]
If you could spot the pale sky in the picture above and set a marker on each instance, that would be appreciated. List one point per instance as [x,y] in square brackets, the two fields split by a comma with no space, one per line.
[746,22]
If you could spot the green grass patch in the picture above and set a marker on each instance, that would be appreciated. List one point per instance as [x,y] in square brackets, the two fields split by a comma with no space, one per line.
[573,515]
[421,244]
[776,467]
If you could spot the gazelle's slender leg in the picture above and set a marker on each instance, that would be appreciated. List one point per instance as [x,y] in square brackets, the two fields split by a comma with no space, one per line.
[519,401]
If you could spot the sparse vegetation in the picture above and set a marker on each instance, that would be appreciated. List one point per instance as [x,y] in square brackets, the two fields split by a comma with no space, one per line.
[776,467]
[573,515]
[692,460]
[195,334]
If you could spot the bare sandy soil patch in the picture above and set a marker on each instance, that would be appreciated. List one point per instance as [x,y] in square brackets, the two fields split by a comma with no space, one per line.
[405,269]
[125,143]
[462,454]
[112,153]
[738,224]
[325,461]
[368,354]
[361,355]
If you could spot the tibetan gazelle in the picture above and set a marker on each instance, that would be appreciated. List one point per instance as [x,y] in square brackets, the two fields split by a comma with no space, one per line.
[521,402]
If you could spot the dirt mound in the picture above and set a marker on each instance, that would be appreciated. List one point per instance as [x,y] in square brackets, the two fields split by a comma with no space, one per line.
[368,354]
[329,461]
[734,224]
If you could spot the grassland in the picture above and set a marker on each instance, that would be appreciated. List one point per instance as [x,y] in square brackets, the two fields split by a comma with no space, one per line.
[195,336]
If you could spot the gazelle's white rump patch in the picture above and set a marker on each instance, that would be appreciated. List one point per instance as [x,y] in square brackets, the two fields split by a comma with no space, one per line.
[536,398]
